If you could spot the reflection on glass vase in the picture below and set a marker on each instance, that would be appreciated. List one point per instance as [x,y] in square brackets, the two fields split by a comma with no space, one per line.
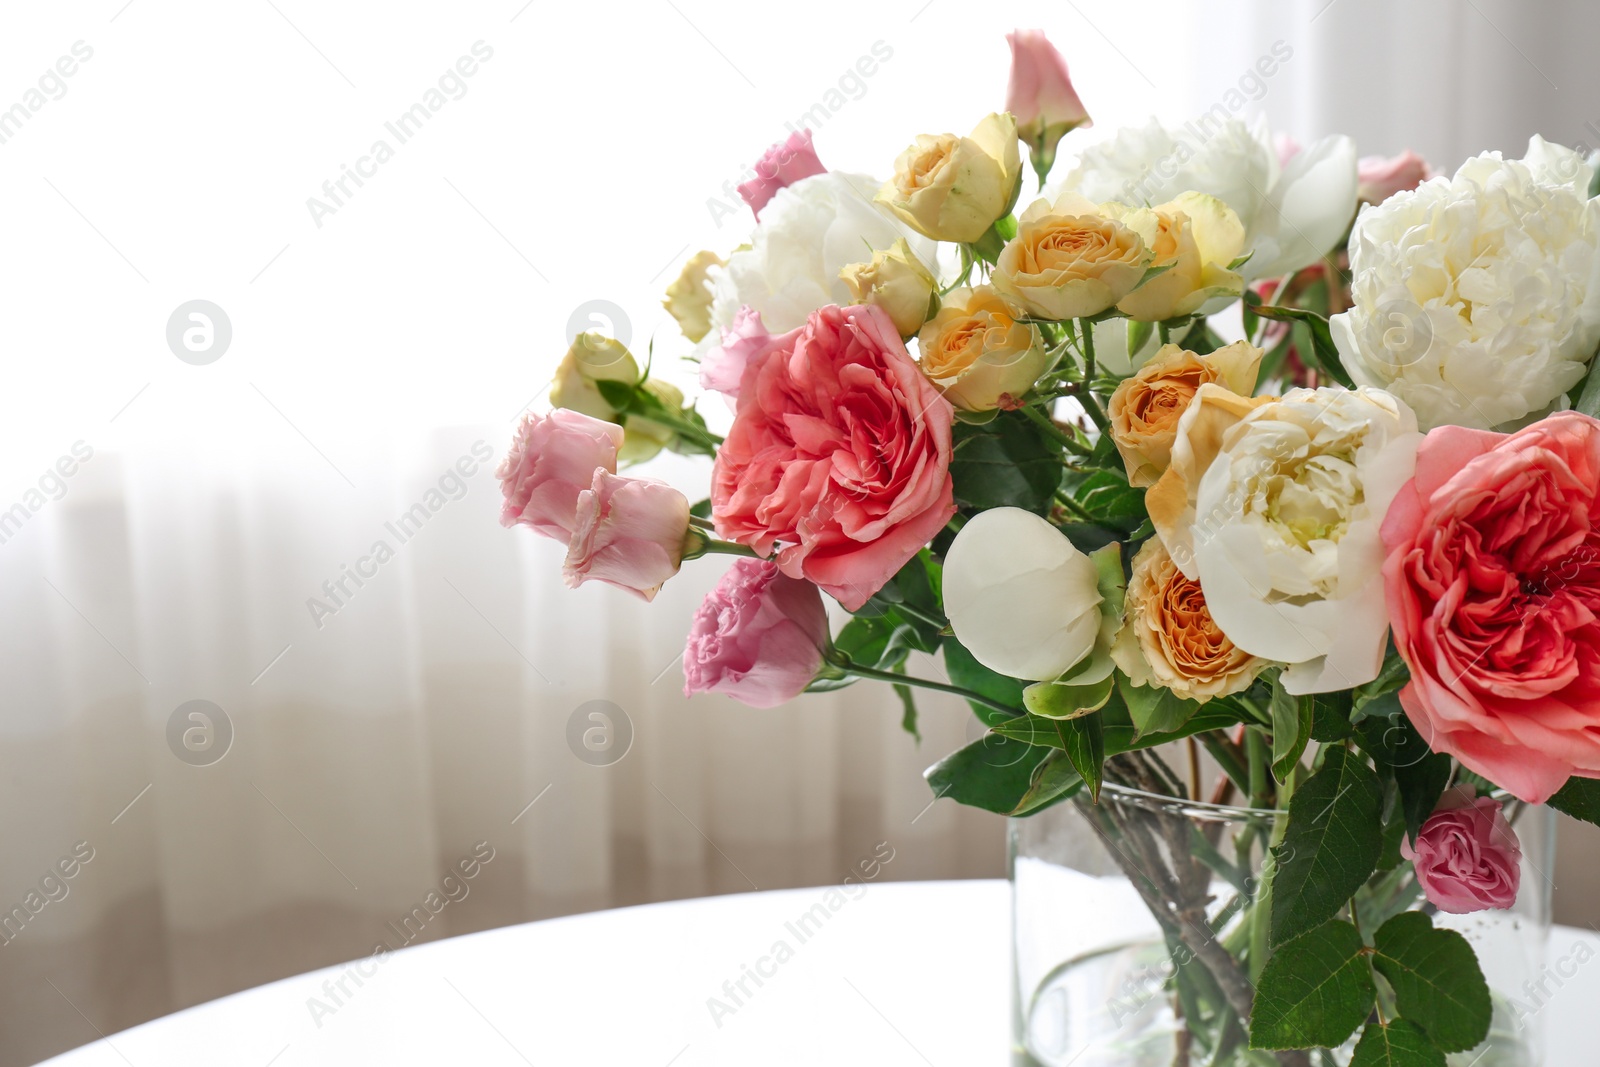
[1099,981]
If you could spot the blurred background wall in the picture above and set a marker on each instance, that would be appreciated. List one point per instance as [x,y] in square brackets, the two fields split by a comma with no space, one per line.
[347,758]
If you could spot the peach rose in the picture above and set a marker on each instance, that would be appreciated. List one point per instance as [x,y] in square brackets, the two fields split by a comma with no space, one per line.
[1195,237]
[1145,408]
[1069,260]
[1168,637]
[953,188]
[977,353]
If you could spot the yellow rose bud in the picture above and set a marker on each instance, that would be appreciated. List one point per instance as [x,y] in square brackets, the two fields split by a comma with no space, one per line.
[1145,408]
[689,297]
[1069,260]
[594,357]
[977,353]
[953,188]
[1195,237]
[1168,638]
[896,281]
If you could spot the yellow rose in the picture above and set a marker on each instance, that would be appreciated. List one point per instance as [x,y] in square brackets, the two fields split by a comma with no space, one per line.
[953,188]
[896,281]
[689,297]
[1168,638]
[1195,237]
[1145,408]
[976,352]
[1069,261]
[594,357]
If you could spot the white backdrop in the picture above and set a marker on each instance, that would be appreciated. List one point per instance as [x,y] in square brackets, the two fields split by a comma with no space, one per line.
[592,149]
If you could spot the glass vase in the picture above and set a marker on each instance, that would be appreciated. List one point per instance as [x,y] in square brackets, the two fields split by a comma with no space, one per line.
[1098,981]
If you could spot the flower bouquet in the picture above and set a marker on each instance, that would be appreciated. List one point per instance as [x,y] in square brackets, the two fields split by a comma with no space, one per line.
[1190,469]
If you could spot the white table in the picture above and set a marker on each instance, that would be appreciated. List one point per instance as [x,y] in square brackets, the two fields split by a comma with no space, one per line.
[910,973]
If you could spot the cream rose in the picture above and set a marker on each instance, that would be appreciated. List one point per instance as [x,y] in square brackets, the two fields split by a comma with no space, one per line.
[1021,598]
[896,281]
[1145,408]
[1476,299]
[594,357]
[1169,638]
[977,353]
[1274,506]
[1069,260]
[1195,237]
[953,188]
[689,296]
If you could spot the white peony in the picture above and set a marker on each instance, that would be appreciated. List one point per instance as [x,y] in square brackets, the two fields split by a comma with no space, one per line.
[808,233]
[1274,506]
[1020,596]
[1293,215]
[1476,299]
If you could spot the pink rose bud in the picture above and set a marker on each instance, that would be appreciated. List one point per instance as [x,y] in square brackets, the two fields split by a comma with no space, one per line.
[1377,178]
[758,636]
[629,533]
[1040,97]
[553,458]
[783,164]
[1286,146]
[1467,856]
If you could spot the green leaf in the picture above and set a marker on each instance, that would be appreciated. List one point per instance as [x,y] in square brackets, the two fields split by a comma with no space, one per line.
[993,773]
[1579,798]
[620,395]
[1138,335]
[1085,746]
[1107,497]
[1057,700]
[1330,847]
[1437,982]
[1588,401]
[1291,728]
[701,509]
[1330,718]
[1421,784]
[1399,1044]
[1314,991]
[965,671]
[1005,463]
[1323,351]
[1152,273]
[1154,709]
[1030,729]
[908,707]
[1055,780]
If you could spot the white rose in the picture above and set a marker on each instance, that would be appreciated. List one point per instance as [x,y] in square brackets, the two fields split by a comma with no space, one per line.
[1292,215]
[808,233]
[1020,596]
[1274,506]
[1476,299]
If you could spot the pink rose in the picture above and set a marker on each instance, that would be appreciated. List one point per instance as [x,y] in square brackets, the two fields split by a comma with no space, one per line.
[758,636]
[629,533]
[1040,96]
[723,367]
[1379,178]
[839,451]
[1467,856]
[783,164]
[1493,582]
[552,459]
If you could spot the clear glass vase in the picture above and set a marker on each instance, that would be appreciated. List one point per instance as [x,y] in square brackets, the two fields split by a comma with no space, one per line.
[1098,981]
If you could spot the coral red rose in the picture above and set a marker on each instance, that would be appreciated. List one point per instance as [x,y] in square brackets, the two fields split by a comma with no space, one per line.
[1493,582]
[839,454]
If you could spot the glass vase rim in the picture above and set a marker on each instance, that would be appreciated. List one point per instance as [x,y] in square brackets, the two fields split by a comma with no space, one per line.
[1230,811]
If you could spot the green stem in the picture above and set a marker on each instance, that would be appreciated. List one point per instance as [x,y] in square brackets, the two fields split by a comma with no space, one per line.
[929,617]
[1075,507]
[1056,433]
[724,548]
[845,664]
[684,428]
[1086,395]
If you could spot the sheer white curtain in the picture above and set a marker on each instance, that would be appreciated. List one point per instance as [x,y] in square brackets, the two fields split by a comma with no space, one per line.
[373,347]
